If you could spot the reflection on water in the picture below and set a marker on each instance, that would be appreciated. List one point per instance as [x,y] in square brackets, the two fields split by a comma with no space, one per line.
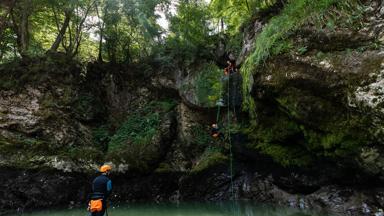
[187,209]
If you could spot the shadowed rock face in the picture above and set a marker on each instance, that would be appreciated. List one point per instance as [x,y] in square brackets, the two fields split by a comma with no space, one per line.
[325,105]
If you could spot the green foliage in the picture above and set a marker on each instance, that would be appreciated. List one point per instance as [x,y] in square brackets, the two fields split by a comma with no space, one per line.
[133,143]
[163,106]
[190,36]
[208,84]
[128,28]
[200,136]
[140,126]
[131,30]
[235,44]
[345,14]
[302,50]
[294,15]
[235,13]
[138,129]
[7,46]
[101,136]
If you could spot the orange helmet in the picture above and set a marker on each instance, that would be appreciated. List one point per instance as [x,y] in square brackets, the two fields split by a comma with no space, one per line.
[105,168]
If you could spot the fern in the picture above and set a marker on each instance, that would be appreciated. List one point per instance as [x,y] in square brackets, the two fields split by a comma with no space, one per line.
[294,15]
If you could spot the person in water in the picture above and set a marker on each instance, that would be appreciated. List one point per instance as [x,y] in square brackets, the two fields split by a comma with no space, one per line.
[101,189]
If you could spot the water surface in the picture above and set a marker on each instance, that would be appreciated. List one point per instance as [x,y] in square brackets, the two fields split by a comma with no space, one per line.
[187,209]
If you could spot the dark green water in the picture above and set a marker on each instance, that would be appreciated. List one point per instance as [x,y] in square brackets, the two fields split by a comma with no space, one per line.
[187,209]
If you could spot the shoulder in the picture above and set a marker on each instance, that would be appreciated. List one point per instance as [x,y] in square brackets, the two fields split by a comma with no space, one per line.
[102,178]
[105,178]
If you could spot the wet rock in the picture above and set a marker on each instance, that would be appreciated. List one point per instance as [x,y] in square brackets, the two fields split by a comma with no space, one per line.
[248,41]
[20,110]
[28,190]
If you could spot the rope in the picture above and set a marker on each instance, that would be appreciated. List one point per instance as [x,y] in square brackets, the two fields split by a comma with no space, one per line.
[218,114]
[229,139]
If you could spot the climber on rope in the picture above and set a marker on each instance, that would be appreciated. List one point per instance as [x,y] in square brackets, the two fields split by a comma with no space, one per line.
[215,131]
[101,189]
[230,69]
[220,102]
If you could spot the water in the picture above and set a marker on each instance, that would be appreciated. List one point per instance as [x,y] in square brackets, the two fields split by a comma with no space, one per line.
[186,209]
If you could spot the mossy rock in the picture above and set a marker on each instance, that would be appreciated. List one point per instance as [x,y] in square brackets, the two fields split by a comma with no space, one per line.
[164,168]
[142,140]
[210,158]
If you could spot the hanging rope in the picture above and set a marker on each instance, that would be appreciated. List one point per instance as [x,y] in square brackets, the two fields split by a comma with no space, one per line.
[228,135]
[229,139]
[218,114]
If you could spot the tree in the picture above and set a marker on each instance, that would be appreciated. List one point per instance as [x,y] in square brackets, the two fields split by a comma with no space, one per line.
[101,31]
[191,34]
[63,29]
[20,23]
[126,30]
[234,13]
[5,9]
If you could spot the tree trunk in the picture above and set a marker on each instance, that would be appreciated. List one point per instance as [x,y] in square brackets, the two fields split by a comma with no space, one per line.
[79,30]
[62,31]
[100,56]
[20,25]
[24,27]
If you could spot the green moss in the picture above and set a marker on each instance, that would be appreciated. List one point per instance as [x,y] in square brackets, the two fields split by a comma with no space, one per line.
[140,126]
[101,136]
[7,84]
[287,155]
[200,136]
[210,158]
[86,153]
[280,138]
[306,127]
[273,37]
[140,158]
[20,142]
[48,101]
[133,143]
[291,144]
[340,140]
[137,129]
[164,168]
[163,106]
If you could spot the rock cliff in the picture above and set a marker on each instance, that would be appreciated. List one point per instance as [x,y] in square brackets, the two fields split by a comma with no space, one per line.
[316,141]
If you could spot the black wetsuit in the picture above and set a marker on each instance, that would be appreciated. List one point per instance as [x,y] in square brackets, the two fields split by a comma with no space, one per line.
[101,188]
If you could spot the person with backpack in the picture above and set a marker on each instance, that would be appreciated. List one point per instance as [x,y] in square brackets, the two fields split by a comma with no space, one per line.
[101,190]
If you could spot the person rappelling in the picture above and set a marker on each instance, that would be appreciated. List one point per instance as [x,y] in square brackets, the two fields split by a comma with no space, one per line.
[215,131]
[101,189]
[230,69]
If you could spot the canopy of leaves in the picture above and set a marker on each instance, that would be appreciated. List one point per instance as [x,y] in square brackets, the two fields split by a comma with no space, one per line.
[113,30]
